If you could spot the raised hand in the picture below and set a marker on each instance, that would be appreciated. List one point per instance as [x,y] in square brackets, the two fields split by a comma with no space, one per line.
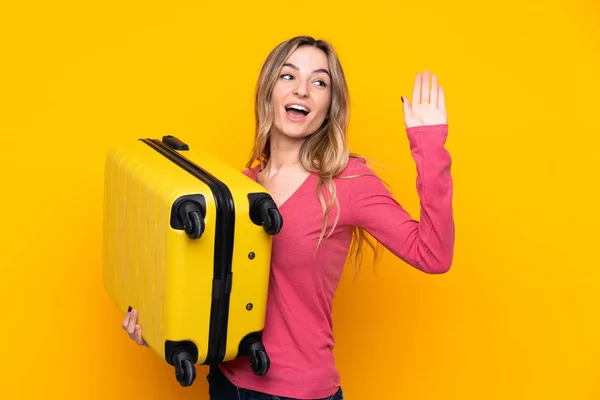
[427,106]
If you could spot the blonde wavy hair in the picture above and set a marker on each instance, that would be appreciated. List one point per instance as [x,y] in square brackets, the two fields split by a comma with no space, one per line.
[325,152]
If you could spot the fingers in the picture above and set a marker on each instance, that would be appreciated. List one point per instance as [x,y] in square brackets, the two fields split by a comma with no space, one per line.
[434,95]
[422,92]
[416,95]
[441,103]
[425,87]
[126,319]
[131,323]
[405,105]
[138,336]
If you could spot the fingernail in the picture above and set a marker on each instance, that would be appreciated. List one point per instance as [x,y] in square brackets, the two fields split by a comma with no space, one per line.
[129,309]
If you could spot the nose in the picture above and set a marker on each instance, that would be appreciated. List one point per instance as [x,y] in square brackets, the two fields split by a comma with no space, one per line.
[300,89]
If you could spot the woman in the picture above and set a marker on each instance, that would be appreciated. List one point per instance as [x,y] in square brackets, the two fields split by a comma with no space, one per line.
[328,200]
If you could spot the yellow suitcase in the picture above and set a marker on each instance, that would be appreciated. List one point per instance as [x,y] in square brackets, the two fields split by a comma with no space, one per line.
[187,242]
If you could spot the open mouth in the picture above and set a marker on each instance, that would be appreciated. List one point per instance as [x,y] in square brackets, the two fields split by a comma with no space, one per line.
[297,110]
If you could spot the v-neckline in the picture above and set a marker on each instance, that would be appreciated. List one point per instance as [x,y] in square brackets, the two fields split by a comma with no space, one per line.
[290,197]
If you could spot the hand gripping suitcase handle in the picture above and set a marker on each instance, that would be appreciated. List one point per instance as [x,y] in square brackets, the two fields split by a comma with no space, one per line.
[263,211]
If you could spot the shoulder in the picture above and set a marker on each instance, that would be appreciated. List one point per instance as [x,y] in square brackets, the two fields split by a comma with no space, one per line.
[359,187]
[358,179]
[357,167]
[364,179]
[251,172]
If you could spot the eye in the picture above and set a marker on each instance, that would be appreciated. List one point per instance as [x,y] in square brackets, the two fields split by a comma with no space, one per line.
[322,83]
[286,76]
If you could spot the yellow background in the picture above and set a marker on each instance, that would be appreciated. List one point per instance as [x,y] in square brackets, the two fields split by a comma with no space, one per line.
[516,318]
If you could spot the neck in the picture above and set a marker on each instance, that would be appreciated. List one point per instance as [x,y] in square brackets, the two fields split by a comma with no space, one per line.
[284,154]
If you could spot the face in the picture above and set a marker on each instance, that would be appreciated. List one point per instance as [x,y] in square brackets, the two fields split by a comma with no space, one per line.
[302,94]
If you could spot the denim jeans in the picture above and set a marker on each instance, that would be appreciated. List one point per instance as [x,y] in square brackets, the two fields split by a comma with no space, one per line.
[221,388]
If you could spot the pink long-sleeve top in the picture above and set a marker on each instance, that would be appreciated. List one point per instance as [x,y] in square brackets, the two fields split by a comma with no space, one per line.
[298,332]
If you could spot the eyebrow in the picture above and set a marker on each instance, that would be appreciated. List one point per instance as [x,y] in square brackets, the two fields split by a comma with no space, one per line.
[315,71]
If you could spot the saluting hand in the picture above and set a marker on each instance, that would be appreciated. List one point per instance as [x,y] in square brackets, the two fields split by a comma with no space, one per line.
[427,106]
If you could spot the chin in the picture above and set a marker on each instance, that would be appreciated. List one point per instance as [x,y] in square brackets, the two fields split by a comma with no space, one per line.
[295,129]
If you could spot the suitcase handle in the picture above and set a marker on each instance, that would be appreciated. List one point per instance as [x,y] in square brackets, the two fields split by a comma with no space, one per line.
[175,143]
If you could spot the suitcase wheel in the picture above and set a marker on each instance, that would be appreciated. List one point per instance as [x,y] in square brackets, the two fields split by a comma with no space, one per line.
[253,348]
[260,363]
[273,224]
[264,212]
[194,225]
[185,373]
[188,214]
[182,356]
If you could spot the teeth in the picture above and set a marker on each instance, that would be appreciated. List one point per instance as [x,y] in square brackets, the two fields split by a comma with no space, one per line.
[298,107]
